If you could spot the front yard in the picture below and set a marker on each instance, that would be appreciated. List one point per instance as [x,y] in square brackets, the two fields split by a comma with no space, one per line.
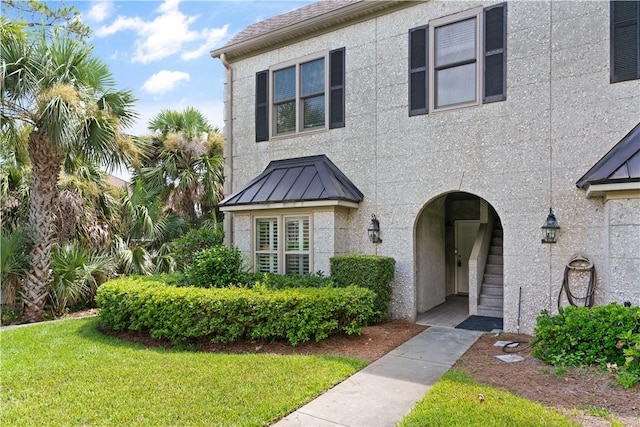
[68,373]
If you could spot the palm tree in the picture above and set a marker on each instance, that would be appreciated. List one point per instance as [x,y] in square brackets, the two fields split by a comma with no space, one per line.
[67,96]
[186,163]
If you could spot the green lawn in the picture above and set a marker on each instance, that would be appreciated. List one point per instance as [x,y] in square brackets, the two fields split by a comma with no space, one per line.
[453,402]
[67,373]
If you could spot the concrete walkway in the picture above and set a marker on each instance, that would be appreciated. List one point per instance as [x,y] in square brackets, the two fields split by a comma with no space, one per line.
[384,392]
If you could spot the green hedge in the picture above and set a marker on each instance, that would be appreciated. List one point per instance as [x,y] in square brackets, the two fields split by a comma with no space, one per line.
[584,336]
[367,271]
[226,315]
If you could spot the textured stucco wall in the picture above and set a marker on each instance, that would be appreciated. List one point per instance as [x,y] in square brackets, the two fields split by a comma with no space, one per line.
[623,220]
[521,155]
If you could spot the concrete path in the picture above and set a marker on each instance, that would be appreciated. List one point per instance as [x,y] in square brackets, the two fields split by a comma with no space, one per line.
[384,392]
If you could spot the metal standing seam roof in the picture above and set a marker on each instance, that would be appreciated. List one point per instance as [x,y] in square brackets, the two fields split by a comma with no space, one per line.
[620,165]
[313,178]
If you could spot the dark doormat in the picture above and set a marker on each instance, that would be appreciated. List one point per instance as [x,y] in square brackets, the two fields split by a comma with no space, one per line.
[481,323]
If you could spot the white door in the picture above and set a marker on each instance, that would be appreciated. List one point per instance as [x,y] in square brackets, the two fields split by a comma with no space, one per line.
[465,234]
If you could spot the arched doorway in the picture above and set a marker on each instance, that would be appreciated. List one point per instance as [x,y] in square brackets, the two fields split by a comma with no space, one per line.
[458,260]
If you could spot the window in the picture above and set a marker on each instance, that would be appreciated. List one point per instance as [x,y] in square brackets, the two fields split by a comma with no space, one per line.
[458,60]
[286,253]
[625,41]
[303,96]
[298,97]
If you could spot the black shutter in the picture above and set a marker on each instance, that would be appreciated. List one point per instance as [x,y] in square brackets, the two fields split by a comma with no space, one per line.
[625,40]
[336,88]
[262,106]
[418,61]
[495,53]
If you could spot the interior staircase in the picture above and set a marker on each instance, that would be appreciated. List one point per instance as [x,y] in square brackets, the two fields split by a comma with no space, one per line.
[492,289]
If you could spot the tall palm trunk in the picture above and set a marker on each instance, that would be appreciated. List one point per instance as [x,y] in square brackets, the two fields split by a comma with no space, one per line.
[46,161]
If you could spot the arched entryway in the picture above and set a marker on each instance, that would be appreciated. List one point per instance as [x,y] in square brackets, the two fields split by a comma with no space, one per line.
[458,259]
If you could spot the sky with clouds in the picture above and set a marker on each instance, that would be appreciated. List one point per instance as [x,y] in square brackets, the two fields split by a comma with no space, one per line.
[160,49]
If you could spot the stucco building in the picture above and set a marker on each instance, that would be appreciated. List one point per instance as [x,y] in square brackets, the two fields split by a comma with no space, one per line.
[458,125]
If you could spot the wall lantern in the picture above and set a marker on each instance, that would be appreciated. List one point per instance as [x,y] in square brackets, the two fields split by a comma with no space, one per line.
[550,229]
[374,230]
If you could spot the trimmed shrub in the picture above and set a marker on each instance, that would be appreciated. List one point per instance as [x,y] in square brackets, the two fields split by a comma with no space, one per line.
[584,336]
[280,281]
[184,248]
[215,267]
[367,271]
[226,315]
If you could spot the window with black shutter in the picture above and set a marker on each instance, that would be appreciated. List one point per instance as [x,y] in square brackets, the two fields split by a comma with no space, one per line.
[336,88]
[262,106]
[625,40]
[299,96]
[495,64]
[455,61]
[418,95]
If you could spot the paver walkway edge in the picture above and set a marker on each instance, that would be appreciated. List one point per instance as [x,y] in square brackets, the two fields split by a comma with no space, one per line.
[383,393]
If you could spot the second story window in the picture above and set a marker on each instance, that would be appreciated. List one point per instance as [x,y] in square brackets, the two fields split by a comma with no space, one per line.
[625,41]
[458,60]
[455,63]
[300,96]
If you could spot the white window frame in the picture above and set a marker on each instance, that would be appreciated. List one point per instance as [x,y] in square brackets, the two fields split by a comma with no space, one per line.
[281,251]
[298,95]
[478,14]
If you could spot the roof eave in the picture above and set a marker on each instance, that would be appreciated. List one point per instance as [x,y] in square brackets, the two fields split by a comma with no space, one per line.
[308,27]
[289,205]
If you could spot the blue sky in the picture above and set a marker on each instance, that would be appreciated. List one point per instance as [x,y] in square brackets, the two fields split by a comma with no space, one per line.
[160,49]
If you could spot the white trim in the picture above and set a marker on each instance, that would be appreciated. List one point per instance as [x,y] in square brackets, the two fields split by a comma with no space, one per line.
[626,190]
[281,251]
[288,205]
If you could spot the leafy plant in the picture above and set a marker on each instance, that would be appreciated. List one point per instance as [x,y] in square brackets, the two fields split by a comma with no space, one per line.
[216,267]
[584,336]
[76,276]
[280,281]
[629,374]
[184,248]
[367,271]
[226,315]
[605,335]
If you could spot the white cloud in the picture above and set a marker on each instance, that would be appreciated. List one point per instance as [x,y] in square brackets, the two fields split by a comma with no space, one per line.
[164,81]
[170,32]
[212,36]
[100,10]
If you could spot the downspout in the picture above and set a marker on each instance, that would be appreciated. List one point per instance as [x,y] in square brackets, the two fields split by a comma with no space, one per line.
[228,149]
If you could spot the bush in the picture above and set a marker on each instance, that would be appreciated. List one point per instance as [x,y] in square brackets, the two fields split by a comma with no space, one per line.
[279,281]
[215,267]
[367,271]
[226,315]
[580,336]
[184,248]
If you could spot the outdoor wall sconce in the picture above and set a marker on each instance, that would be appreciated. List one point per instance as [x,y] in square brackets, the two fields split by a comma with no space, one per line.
[374,230]
[550,229]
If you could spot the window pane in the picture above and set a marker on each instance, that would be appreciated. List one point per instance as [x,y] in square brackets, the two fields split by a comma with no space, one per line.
[266,234]
[456,85]
[297,264]
[267,263]
[284,82]
[297,234]
[286,117]
[312,77]
[313,111]
[455,42]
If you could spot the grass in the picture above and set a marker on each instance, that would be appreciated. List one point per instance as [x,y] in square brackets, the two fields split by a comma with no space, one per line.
[67,373]
[453,402]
